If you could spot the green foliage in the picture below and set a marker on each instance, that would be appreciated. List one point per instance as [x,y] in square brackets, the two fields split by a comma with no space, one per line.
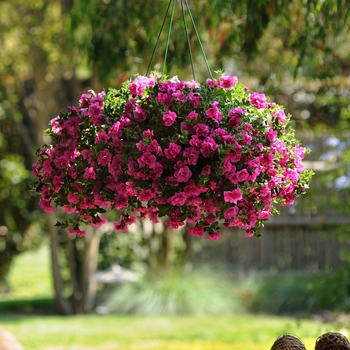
[283,294]
[174,293]
[125,248]
[120,36]
[305,28]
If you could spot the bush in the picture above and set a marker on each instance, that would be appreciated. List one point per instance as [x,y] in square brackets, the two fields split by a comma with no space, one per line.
[176,292]
[283,294]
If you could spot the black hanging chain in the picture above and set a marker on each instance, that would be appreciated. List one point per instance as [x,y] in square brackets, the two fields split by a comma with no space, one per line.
[183,2]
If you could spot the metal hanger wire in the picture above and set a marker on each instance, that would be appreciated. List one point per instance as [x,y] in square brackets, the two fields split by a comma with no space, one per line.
[183,4]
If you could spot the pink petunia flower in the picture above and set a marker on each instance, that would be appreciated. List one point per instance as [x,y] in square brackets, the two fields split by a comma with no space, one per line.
[183,174]
[98,221]
[279,114]
[121,201]
[231,213]
[196,231]
[233,196]
[89,174]
[227,82]
[45,204]
[169,118]
[258,100]
[178,199]
[139,114]
[192,115]
[145,195]
[208,147]
[77,232]
[214,236]
[214,112]
[172,151]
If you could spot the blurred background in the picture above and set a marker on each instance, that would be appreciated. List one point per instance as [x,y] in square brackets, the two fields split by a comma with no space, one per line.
[297,52]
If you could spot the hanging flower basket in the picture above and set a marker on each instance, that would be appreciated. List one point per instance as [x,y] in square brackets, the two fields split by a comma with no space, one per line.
[211,155]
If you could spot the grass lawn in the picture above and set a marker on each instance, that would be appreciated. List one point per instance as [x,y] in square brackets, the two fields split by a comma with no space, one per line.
[30,275]
[239,332]
[31,286]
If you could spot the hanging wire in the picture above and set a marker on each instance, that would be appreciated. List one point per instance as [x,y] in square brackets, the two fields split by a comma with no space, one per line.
[173,2]
[168,39]
[198,38]
[188,39]
[157,42]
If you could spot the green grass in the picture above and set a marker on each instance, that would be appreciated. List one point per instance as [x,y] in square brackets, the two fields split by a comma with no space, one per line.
[30,284]
[246,332]
[30,276]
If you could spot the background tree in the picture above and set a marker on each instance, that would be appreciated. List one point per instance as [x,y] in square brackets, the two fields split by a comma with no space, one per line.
[36,85]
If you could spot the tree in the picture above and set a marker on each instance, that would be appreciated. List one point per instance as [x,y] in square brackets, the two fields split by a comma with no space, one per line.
[35,86]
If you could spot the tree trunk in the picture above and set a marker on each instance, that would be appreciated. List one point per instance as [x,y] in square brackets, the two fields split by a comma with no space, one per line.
[185,259]
[82,259]
[167,253]
[62,304]
[74,264]
[5,263]
[89,284]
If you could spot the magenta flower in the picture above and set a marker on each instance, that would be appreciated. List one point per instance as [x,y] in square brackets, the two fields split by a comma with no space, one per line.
[267,159]
[271,135]
[214,112]
[145,195]
[201,129]
[231,213]
[208,147]
[183,174]
[121,201]
[258,100]
[139,114]
[138,86]
[147,160]
[61,162]
[104,157]
[89,174]
[172,151]
[98,221]
[191,155]
[227,82]
[178,199]
[101,137]
[233,196]
[73,198]
[77,232]
[196,231]
[45,204]
[169,118]
[206,170]
[279,114]
[196,100]
[214,236]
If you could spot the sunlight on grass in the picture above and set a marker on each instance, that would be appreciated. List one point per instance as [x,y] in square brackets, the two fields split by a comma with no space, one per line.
[30,275]
[246,332]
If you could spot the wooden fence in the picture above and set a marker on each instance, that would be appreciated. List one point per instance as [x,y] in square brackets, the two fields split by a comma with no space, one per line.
[296,247]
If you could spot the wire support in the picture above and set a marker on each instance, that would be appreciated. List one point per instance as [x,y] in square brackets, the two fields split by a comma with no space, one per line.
[173,3]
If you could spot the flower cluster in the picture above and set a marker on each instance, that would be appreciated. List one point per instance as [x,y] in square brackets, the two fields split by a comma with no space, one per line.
[212,155]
